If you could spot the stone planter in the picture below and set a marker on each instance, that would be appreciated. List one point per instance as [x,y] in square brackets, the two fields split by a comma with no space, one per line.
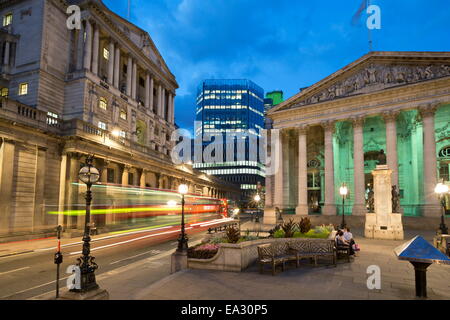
[238,257]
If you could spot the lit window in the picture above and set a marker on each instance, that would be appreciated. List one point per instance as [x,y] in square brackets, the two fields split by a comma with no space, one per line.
[7,19]
[103,104]
[4,92]
[23,89]
[123,114]
[52,118]
[122,134]
[102,125]
[106,53]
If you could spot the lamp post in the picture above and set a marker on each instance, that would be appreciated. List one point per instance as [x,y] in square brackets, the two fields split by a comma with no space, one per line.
[343,190]
[442,189]
[182,240]
[89,175]
[257,200]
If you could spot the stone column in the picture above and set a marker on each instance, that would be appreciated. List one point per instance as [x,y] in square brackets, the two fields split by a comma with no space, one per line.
[151,102]
[62,188]
[7,149]
[7,53]
[111,63]
[129,75]
[330,205]
[117,67]
[169,106]
[39,202]
[133,81]
[172,119]
[163,103]
[431,207]
[159,107]
[125,171]
[279,171]
[95,50]
[391,144]
[147,91]
[359,207]
[88,47]
[142,178]
[80,41]
[302,204]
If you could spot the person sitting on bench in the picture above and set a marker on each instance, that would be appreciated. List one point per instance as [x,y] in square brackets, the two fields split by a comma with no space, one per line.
[342,242]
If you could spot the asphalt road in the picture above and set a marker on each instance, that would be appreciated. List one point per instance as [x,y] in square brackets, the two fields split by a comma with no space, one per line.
[28,275]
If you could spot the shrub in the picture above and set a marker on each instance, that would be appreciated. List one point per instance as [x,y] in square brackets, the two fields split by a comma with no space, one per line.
[304,225]
[288,228]
[278,234]
[217,239]
[204,251]
[233,234]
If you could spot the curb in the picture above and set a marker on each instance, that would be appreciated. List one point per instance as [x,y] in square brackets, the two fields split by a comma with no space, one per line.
[16,253]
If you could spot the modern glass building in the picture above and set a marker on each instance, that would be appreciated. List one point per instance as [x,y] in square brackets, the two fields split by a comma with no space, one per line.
[231,108]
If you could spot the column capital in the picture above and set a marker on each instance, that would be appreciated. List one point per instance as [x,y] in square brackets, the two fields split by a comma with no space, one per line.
[357,121]
[390,115]
[428,110]
[302,129]
[328,125]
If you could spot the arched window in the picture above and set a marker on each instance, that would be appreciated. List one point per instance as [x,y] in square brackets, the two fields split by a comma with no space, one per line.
[103,104]
[4,92]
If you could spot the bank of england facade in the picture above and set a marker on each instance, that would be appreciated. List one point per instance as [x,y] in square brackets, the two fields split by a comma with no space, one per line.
[103,89]
[332,133]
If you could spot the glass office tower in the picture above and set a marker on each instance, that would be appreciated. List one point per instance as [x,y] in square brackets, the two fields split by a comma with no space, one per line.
[231,107]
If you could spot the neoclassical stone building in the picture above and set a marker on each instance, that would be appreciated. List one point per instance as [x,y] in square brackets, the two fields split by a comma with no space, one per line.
[332,133]
[104,89]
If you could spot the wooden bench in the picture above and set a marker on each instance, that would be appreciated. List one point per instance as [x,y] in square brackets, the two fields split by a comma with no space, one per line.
[279,253]
[342,250]
[275,254]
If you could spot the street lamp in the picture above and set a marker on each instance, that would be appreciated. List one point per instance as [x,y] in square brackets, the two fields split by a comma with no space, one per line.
[257,199]
[442,189]
[89,175]
[343,190]
[182,240]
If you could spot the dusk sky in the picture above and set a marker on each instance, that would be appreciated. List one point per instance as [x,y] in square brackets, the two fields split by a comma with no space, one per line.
[280,45]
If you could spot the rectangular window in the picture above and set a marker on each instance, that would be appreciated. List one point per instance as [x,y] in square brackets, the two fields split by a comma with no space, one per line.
[123,114]
[130,179]
[102,125]
[4,92]
[23,89]
[106,53]
[7,19]
[103,104]
[111,175]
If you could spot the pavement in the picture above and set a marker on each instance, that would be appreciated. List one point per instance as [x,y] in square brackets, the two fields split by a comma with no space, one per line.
[344,282]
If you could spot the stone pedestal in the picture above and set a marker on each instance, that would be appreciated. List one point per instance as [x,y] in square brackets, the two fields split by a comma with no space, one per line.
[178,261]
[270,216]
[383,224]
[97,294]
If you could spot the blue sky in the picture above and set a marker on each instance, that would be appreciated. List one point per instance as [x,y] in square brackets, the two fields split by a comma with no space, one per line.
[278,44]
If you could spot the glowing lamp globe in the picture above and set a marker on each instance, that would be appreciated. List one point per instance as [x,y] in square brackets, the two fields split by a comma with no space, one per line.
[257,198]
[441,188]
[183,189]
[343,191]
[89,174]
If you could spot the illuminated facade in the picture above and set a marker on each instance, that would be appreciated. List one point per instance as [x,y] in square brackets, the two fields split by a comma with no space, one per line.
[105,90]
[231,106]
[332,132]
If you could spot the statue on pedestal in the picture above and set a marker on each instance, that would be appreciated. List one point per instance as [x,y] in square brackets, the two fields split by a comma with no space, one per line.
[371,201]
[382,158]
[395,200]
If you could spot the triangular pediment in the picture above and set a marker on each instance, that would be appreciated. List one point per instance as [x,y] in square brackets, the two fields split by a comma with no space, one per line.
[373,72]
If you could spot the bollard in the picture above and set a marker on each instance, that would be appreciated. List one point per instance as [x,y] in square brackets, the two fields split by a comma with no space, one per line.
[420,269]
[58,259]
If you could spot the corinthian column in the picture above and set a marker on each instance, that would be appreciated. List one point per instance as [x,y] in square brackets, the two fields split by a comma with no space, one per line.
[147,91]
[431,207]
[279,181]
[329,206]
[302,205]
[359,207]
[117,67]
[133,82]
[95,50]
[111,63]
[129,74]
[88,46]
[390,119]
